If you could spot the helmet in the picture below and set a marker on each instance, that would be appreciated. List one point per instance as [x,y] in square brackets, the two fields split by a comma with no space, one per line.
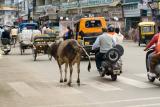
[110,28]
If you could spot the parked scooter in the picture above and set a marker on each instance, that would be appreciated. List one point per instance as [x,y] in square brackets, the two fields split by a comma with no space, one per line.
[156,70]
[6,47]
[112,64]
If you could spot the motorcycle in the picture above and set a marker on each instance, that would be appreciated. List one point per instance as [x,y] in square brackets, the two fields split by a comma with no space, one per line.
[6,47]
[156,69]
[112,63]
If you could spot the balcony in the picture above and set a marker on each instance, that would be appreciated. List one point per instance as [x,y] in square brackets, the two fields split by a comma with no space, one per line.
[46,9]
[130,2]
[132,13]
[8,7]
[86,3]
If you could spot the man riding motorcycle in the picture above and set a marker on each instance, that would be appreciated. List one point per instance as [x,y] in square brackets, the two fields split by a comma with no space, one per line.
[154,57]
[105,42]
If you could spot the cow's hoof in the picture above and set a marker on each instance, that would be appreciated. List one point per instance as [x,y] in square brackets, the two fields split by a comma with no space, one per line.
[78,84]
[69,84]
[61,81]
[65,80]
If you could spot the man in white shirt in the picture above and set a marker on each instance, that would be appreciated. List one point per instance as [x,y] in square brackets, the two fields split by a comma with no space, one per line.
[119,37]
[105,42]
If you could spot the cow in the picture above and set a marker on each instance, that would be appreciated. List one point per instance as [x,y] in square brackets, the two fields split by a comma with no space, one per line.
[68,52]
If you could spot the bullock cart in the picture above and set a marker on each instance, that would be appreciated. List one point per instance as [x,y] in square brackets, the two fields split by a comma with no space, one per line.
[41,45]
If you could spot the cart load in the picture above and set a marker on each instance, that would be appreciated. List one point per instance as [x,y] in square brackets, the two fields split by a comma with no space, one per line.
[41,45]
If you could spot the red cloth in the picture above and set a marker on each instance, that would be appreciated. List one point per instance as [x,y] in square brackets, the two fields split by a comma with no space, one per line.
[154,41]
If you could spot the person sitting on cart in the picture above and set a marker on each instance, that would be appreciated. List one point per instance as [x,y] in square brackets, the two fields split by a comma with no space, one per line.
[36,33]
[69,34]
[5,38]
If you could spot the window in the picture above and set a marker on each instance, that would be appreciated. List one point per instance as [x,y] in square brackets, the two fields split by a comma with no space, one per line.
[147,29]
[93,23]
[129,1]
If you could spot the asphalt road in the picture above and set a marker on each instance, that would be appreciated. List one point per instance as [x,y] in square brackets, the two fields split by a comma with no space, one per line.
[25,83]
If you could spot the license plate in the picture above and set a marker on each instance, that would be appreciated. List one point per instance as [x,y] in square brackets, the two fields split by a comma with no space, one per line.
[116,71]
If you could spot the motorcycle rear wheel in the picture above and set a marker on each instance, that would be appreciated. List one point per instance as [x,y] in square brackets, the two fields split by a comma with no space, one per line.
[151,79]
[101,73]
[6,52]
[114,77]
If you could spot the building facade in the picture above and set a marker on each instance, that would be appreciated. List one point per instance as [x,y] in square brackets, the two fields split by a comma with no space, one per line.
[74,9]
[7,12]
[133,13]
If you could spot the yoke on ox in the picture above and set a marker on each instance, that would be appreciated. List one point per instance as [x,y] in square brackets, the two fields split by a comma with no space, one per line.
[68,52]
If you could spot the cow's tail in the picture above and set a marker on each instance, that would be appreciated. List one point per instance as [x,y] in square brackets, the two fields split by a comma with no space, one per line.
[89,65]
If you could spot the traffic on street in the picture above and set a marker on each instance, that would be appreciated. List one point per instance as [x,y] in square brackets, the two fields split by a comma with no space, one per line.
[79,53]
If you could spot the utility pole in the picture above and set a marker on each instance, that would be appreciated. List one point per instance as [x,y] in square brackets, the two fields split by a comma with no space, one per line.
[17,3]
[28,10]
[58,10]
[34,7]
[79,7]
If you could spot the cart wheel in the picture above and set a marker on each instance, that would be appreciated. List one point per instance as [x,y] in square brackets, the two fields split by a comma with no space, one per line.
[139,43]
[49,54]
[21,50]
[34,54]
[50,57]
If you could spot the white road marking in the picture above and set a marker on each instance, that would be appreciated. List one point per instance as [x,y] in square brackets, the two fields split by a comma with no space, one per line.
[0,55]
[103,87]
[67,90]
[144,75]
[135,83]
[147,105]
[105,102]
[23,89]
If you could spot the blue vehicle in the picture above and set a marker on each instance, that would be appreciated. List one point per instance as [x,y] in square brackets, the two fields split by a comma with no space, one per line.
[28,26]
